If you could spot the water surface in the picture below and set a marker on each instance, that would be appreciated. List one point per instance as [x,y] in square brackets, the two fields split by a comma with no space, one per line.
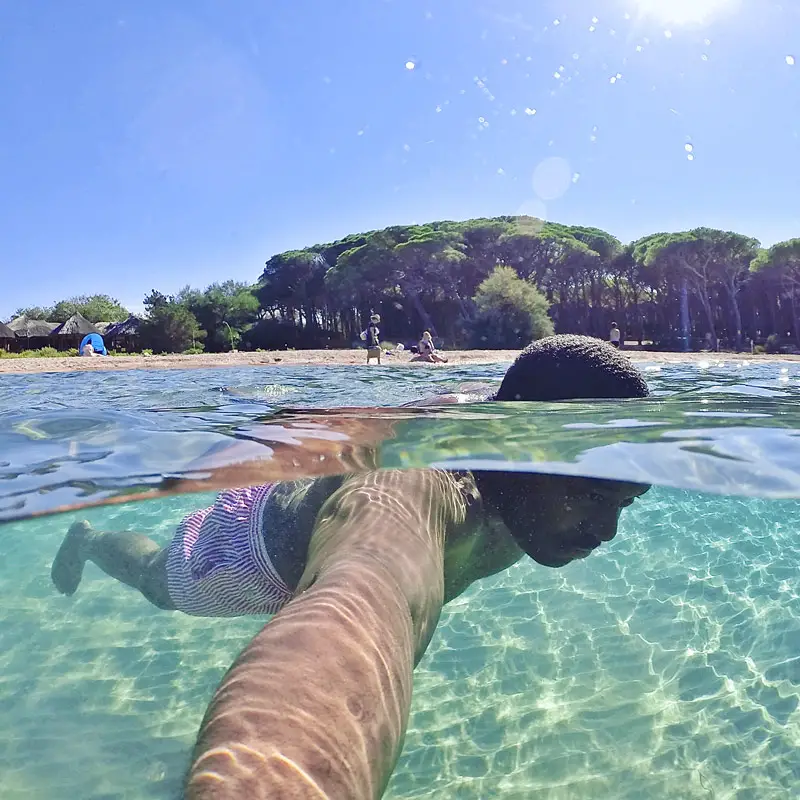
[663,666]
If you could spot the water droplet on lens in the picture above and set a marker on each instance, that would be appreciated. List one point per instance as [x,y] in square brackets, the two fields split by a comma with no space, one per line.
[790,60]
[668,34]
[688,148]
[530,111]
[411,65]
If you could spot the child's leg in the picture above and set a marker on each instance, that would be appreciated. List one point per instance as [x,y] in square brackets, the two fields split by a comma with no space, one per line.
[131,558]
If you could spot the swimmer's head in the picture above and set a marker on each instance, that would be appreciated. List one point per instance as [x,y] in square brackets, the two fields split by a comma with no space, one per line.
[556,519]
[570,367]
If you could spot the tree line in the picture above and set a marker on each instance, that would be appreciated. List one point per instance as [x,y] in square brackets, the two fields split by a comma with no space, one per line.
[495,282]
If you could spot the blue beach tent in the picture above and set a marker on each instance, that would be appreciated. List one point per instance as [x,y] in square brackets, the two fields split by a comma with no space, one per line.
[96,341]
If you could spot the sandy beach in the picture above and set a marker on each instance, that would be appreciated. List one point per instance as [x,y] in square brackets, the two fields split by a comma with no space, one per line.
[296,358]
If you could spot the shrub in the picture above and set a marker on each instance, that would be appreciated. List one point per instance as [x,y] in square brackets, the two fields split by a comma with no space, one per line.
[511,312]
[773,344]
[46,352]
[193,351]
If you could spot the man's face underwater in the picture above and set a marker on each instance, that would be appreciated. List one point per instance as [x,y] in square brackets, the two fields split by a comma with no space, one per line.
[557,519]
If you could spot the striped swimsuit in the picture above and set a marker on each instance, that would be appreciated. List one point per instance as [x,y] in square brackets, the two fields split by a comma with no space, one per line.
[218,564]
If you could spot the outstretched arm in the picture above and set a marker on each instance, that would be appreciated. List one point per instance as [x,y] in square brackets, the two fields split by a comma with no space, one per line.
[317,705]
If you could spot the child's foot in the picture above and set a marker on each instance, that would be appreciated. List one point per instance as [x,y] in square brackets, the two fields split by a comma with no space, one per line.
[67,568]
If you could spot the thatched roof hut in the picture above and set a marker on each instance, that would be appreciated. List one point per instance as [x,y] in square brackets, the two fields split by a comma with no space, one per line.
[124,335]
[6,332]
[26,328]
[76,325]
[130,327]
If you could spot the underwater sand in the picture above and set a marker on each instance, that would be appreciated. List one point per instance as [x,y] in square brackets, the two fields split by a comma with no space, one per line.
[666,665]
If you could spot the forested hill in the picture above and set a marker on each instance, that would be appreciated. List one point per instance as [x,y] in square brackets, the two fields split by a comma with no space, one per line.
[695,284]
[492,283]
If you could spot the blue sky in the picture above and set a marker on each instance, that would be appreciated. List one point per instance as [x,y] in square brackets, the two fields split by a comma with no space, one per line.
[154,143]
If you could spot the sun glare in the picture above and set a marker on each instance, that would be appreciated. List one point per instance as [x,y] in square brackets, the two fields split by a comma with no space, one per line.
[681,12]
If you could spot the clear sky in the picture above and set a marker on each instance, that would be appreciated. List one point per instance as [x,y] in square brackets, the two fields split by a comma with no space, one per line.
[154,143]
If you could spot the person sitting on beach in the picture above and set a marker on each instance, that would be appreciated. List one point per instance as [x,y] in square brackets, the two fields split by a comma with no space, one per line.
[614,335]
[359,567]
[373,338]
[92,345]
[428,352]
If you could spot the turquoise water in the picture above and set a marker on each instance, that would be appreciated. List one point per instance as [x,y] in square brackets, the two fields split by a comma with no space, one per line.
[664,666]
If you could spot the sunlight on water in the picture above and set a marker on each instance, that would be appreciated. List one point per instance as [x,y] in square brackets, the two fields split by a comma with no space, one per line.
[663,666]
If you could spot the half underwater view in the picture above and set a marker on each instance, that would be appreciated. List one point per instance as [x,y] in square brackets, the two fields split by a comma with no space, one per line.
[664,665]
[399,399]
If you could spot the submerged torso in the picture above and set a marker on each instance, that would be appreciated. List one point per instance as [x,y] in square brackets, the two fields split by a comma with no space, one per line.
[477,543]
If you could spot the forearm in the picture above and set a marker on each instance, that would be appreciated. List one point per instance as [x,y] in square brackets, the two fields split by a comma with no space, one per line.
[316,705]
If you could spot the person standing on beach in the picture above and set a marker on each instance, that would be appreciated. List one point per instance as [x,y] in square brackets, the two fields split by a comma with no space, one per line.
[358,567]
[374,338]
[614,336]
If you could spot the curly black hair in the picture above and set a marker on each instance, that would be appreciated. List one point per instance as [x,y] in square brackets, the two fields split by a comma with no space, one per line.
[570,367]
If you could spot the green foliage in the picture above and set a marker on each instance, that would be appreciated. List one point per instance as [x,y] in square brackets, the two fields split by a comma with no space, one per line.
[668,287]
[773,344]
[511,312]
[34,312]
[194,351]
[95,307]
[43,352]
[223,310]
[49,352]
[170,327]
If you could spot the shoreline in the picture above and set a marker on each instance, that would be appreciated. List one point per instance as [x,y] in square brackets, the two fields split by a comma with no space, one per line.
[322,358]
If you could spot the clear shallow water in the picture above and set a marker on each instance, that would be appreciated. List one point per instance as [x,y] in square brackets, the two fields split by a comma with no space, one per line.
[728,427]
[666,665]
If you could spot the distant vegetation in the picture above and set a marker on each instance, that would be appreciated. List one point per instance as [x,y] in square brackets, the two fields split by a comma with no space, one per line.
[489,283]
[96,308]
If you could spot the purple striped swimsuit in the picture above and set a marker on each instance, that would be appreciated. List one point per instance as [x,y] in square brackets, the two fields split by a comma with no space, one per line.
[218,565]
